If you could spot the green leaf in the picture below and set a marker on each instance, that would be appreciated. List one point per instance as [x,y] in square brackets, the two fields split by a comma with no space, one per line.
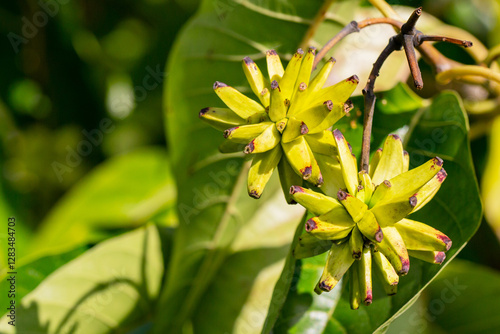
[112,286]
[440,129]
[213,203]
[124,192]
[33,273]
[240,292]
[464,298]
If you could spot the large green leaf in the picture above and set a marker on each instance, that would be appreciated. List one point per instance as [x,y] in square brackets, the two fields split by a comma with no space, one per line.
[440,129]
[33,273]
[112,286]
[213,203]
[240,292]
[124,192]
[464,299]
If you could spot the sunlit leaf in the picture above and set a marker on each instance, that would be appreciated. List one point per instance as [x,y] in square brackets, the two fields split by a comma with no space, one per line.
[113,285]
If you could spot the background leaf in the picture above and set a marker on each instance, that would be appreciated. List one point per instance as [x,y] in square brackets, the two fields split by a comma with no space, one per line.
[125,192]
[464,298]
[113,285]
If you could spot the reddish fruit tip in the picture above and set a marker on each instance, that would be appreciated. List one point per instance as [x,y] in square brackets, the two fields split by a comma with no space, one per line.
[338,134]
[413,201]
[300,51]
[219,84]
[274,84]
[342,195]
[272,53]
[296,189]
[379,235]
[203,111]
[438,161]
[369,298]
[332,60]
[441,175]
[303,128]
[324,286]
[440,257]
[302,86]
[348,105]
[328,104]
[248,61]
[353,79]
[396,137]
[445,240]
[228,132]
[254,194]
[306,172]
[310,225]
[405,266]
[249,148]
[387,183]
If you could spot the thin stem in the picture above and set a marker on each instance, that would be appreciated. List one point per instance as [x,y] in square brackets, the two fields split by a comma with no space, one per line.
[318,19]
[465,70]
[493,54]
[432,38]
[412,61]
[352,27]
[409,26]
[370,102]
[348,29]
[384,8]
[380,20]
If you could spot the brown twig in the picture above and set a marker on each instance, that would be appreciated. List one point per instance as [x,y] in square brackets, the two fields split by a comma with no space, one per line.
[369,95]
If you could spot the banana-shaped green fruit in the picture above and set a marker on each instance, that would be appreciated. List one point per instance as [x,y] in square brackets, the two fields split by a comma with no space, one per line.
[317,203]
[263,165]
[292,110]
[394,249]
[354,206]
[267,140]
[322,143]
[339,261]
[422,237]
[435,257]
[349,169]
[259,84]
[237,102]
[288,178]
[294,129]
[302,160]
[333,225]
[365,276]
[427,192]
[391,160]
[220,118]
[385,272]
[246,133]
[332,174]
[354,287]
[308,246]
[356,242]
[370,228]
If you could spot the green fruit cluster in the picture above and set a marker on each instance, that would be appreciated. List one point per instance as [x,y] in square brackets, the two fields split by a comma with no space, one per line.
[365,225]
[288,128]
[367,221]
